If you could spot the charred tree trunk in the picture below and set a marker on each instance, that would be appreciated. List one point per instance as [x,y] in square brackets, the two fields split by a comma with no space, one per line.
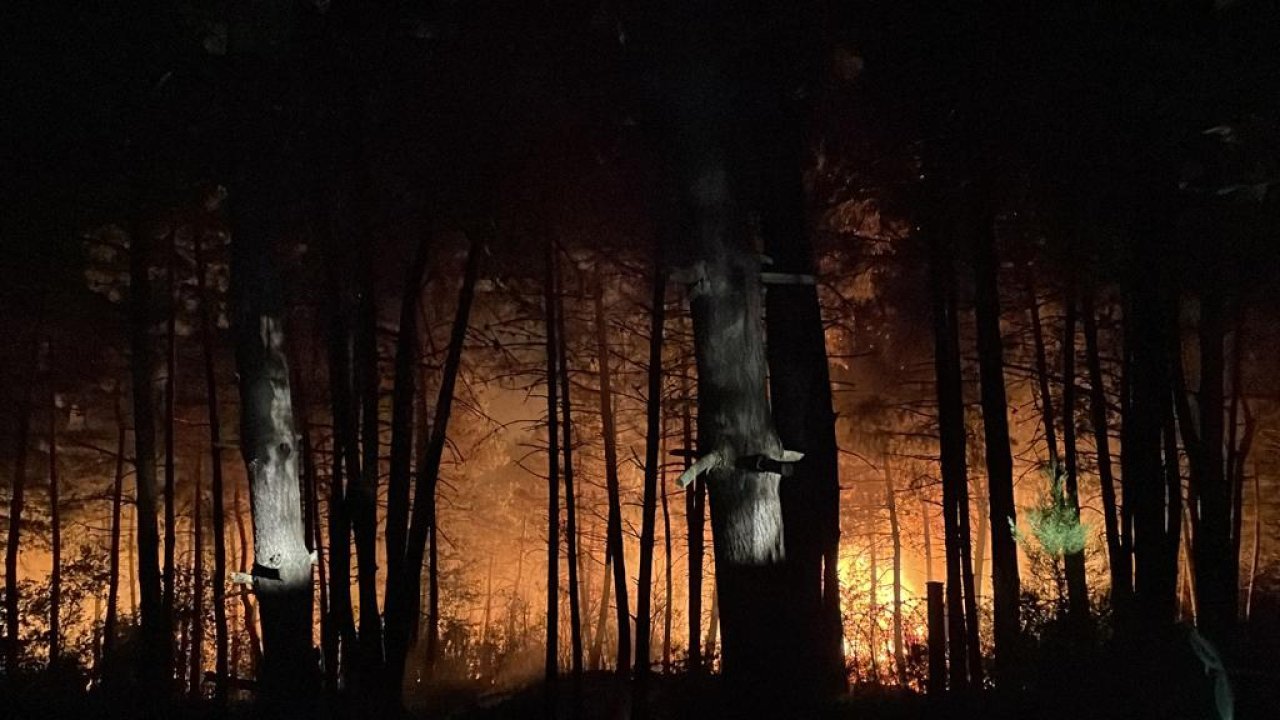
[666,557]
[55,528]
[653,433]
[282,566]
[1077,589]
[895,535]
[217,511]
[695,513]
[1006,585]
[362,491]
[155,633]
[1119,559]
[342,648]
[614,553]
[109,629]
[1042,373]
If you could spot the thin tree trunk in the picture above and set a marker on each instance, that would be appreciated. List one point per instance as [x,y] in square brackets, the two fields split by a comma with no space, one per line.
[873,593]
[362,489]
[713,624]
[649,502]
[113,573]
[1006,586]
[570,496]
[169,575]
[221,667]
[613,530]
[1238,453]
[1042,373]
[1118,554]
[342,649]
[928,539]
[952,450]
[666,556]
[401,599]
[695,513]
[282,579]
[197,582]
[595,657]
[22,435]
[55,528]
[1257,545]
[155,633]
[1077,589]
[895,534]
[1212,542]
[551,668]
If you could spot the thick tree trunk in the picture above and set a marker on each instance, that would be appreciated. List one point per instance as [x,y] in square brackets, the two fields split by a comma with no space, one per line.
[570,495]
[268,442]
[613,531]
[800,394]
[217,511]
[1006,585]
[653,433]
[1217,597]
[1119,559]
[155,634]
[1077,588]
[109,627]
[17,499]
[55,529]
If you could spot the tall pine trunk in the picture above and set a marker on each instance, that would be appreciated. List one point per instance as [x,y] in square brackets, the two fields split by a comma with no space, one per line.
[109,627]
[570,496]
[1119,558]
[55,527]
[551,665]
[895,535]
[1212,541]
[649,502]
[169,574]
[613,531]
[1077,588]
[22,437]
[217,511]
[1005,581]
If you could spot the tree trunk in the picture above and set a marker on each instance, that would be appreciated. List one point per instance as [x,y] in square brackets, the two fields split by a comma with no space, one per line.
[895,535]
[1042,373]
[1077,589]
[1119,559]
[1257,545]
[169,575]
[155,633]
[362,491]
[666,557]
[1006,586]
[197,583]
[951,434]
[551,667]
[282,566]
[109,628]
[1212,542]
[653,432]
[342,648]
[595,657]
[615,553]
[55,528]
[800,394]
[401,596]
[22,435]
[570,495]
[219,582]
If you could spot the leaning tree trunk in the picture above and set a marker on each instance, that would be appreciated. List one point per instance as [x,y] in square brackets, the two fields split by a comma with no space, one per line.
[217,511]
[1077,588]
[155,634]
[613,531]
[55,529]
[22,435]
[1005,581]
[281,573]
[649,502]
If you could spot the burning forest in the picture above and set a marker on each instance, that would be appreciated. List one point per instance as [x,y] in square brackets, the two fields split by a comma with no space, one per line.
[640,360]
